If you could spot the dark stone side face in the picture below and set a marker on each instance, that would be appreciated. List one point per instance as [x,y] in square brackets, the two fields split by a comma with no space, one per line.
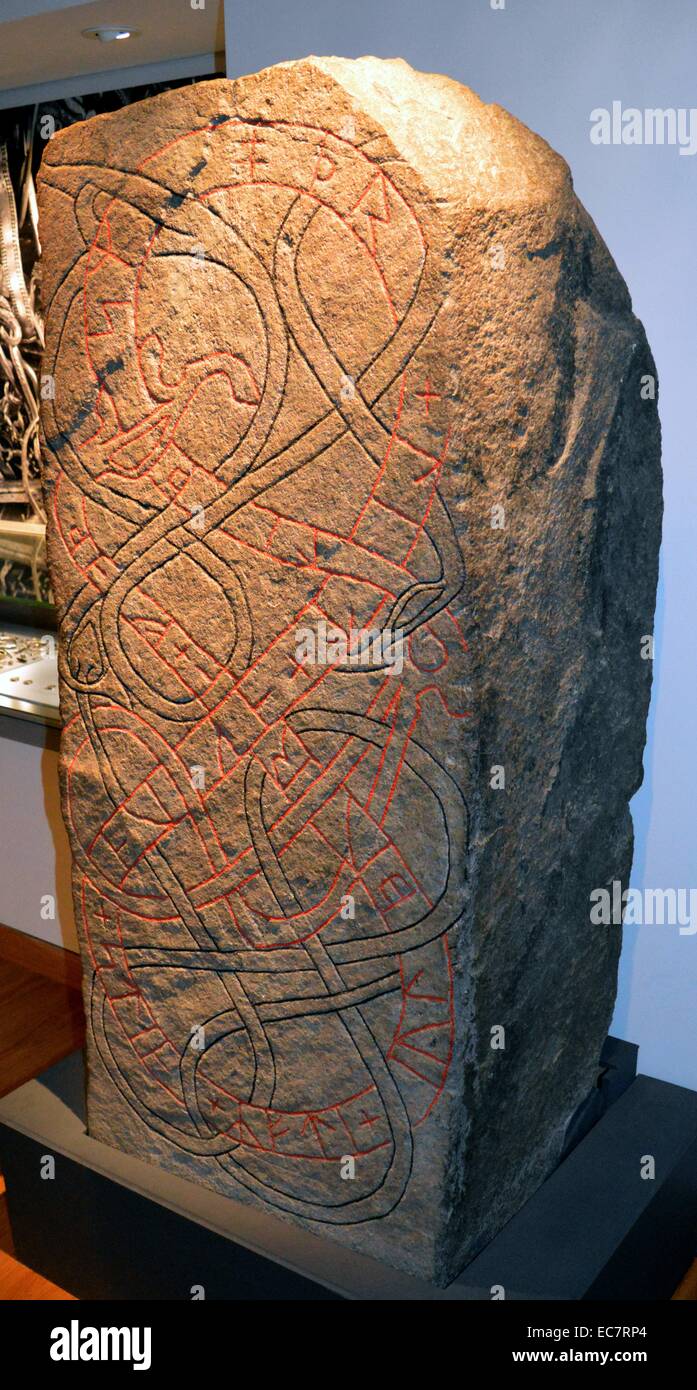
[353,498]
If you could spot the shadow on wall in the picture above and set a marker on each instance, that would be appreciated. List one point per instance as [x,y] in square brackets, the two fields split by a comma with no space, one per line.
[642,811]
[62,863]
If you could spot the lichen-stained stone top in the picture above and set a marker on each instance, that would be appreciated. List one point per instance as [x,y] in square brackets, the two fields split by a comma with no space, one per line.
[304,331]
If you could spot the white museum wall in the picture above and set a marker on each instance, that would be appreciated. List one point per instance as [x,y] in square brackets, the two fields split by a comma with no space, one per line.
[552,62]
[35,854]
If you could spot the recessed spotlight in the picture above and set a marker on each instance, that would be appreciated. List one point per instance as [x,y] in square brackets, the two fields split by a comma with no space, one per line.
[109,35]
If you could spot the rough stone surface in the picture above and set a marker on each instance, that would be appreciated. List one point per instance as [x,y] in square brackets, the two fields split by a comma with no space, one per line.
[307,330]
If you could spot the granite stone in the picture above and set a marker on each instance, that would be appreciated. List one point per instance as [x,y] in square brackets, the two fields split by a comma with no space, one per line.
[352,473]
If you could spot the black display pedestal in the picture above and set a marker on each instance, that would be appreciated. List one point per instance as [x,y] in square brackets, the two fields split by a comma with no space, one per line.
[109,1226]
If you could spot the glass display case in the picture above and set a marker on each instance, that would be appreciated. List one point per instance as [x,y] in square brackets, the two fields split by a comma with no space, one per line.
[28,674]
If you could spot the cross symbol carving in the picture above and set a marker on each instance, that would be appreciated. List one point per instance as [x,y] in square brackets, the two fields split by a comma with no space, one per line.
[428,395]
[254,144]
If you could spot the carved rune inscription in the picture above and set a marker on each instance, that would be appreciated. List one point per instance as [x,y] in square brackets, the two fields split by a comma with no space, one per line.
[243,441]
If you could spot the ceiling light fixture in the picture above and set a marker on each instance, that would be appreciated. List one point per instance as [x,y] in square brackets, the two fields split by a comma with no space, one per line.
[109,35]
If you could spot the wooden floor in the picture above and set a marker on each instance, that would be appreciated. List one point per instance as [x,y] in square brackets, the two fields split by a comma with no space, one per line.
[41,1021]
[686,1291]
